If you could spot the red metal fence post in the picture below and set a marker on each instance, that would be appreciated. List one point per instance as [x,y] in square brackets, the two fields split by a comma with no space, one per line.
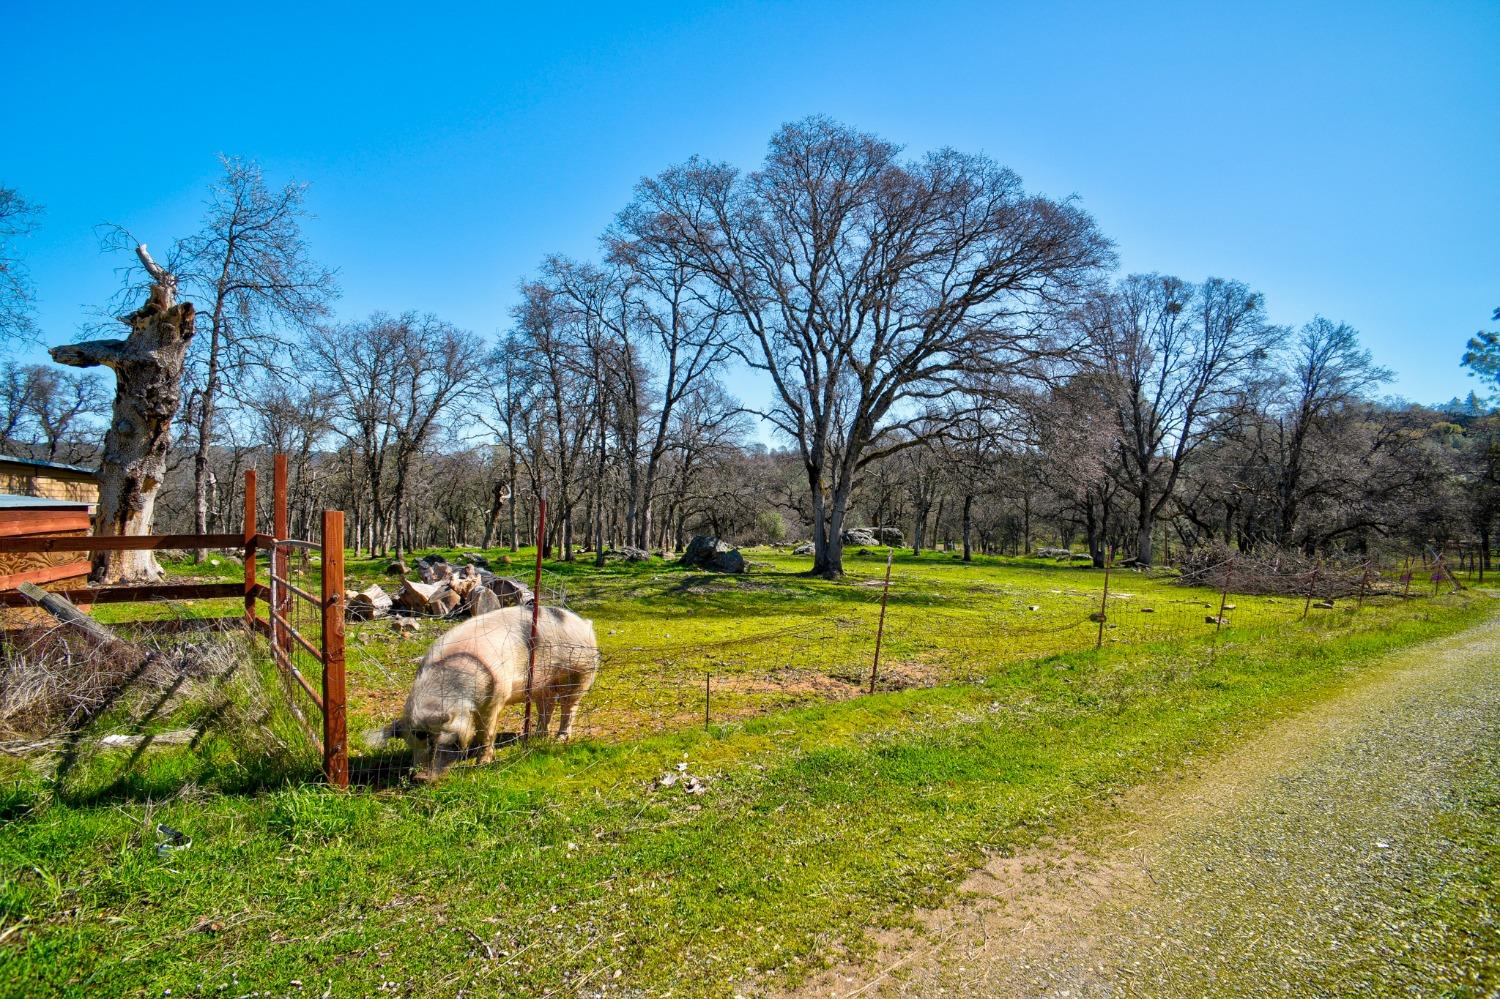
[335,735]
[281,562]
[536,608]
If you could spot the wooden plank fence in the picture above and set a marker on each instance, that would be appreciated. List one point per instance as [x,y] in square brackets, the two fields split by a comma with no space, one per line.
[287,643]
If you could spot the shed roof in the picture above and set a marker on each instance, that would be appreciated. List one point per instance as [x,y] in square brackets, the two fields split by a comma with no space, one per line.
[56,466]
[10,501]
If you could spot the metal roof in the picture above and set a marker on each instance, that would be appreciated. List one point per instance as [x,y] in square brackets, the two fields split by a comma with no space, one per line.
[57,465]
[10,501]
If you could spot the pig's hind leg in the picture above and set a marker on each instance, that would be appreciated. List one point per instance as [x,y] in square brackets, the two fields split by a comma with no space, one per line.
[544,702]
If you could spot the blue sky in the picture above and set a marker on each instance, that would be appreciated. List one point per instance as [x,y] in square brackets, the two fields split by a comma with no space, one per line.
[1344,159]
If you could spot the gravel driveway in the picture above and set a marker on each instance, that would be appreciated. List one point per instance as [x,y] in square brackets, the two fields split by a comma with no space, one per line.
[1350,849]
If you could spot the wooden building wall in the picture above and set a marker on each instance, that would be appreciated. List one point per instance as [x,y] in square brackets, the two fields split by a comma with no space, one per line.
[48,483]
[49,570]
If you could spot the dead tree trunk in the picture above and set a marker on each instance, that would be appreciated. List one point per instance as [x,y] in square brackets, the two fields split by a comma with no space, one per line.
[148,388]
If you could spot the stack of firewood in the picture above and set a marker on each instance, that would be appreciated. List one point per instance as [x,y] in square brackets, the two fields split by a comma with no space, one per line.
[442,591]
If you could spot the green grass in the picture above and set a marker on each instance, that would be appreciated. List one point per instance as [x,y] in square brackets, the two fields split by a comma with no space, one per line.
[565,869]
[777,638]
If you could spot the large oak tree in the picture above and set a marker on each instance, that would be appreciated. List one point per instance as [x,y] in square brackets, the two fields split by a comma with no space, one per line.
[865,285]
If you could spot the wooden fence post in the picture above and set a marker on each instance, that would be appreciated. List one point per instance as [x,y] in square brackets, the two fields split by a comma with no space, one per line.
[335,724]
[536,608]
[1312,587]
[1224,595]
[885,592]
[250,549]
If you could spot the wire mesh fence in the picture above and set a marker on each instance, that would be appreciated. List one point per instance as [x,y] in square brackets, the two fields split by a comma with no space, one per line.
[619,654]
[677,650]
[182,696]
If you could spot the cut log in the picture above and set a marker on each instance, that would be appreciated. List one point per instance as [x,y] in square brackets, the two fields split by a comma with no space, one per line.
[59,607]
[176,737]
[369,604]
[434,572]
[417,596]
[445,603]
[481,600]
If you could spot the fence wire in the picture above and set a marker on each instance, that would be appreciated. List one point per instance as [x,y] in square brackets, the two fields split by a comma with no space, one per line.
[709,666]
[91,722]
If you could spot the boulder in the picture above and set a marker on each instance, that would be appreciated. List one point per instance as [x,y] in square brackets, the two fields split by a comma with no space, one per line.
[891,537]
[805,548]
[632,554]
[707,552]
[861,536]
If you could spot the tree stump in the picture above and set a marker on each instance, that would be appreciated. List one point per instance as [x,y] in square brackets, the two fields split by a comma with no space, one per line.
[148,367]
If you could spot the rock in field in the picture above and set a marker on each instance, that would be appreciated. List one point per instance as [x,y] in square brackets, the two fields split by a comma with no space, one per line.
[707,552]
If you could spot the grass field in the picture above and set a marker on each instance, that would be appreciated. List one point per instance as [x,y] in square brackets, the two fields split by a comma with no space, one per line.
[568,870]
[775,638]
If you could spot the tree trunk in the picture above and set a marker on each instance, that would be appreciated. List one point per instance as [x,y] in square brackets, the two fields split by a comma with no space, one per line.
[1145,529]
[1092,529]
[502,492]
[967,526]
[919,530]
[205,434]
[148,388]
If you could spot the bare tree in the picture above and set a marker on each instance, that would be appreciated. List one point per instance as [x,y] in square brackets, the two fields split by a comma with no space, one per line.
[18,218]
[62,406]
[1177,356]
[249,265]
[148,368]
[863,285]
[1329,370]
[437,365]
[561,382]
[18,386]
[393,378]
[358,363]
[1076,435]
[688,319]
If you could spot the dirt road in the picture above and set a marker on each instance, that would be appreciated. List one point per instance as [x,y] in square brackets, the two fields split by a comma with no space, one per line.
[1351,849]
